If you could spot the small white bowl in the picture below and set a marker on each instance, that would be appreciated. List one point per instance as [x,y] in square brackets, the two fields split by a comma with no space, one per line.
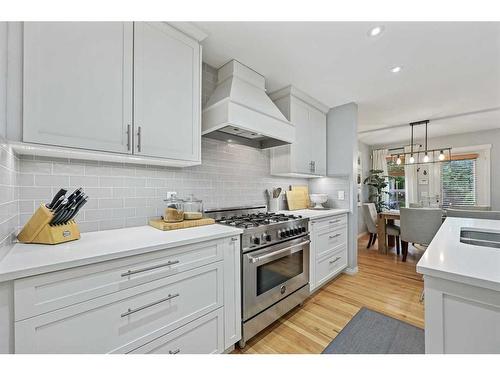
[318,200]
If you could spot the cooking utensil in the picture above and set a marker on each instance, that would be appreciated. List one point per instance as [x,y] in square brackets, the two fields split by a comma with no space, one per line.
[79,205]
[277,192]
[56,198]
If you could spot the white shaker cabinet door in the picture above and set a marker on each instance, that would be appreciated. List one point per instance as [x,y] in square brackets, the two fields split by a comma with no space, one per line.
[167,99]
[77,85]
[301,149]
[317,126]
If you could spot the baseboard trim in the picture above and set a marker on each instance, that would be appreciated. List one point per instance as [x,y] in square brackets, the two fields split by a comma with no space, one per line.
[351,271]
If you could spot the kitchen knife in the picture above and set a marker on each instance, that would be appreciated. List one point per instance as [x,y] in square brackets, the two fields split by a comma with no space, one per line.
[77,208]
[58,211]
[68,210]
[58,203]
[56,198]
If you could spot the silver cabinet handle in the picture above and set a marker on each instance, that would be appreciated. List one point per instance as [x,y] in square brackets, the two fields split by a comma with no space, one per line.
[335,260]
[139,146]
[128,137]
[234,239]
[335,221]
[130,272]
[253,259]
[132,311]
[334,236]
[176,351]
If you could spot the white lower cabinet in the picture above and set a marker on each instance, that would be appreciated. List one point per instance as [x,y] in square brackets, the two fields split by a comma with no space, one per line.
[194,308]
[202,336]
[328,256]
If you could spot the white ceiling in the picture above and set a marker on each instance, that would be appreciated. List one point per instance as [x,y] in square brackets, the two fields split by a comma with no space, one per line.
[448,68]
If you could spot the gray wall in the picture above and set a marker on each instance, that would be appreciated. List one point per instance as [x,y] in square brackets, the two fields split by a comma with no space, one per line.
[470,139]
[366,162]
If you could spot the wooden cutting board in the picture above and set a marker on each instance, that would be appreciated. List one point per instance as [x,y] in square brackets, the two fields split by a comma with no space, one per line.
[305,189]
[297,200]
[161,225]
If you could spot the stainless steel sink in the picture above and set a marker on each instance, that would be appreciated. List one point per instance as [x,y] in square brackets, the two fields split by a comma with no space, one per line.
[480,237]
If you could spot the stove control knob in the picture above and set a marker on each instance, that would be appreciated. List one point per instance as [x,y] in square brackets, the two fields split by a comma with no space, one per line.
[303,229]
[296,231]
[268,237]
[282,234]
[287,232]
[256,240]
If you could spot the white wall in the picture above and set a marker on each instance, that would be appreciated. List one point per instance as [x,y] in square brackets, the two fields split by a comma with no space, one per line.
[3,79]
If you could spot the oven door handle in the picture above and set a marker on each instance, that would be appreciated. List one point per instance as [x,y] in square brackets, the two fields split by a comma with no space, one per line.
[253,259]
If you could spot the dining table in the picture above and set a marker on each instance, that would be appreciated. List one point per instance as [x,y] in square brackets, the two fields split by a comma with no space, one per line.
[386,217]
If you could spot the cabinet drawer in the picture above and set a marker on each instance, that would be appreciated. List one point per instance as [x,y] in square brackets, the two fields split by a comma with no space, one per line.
[327,239]
[203,336]
[329,222]
[124,320]
[331,264]
[44,293]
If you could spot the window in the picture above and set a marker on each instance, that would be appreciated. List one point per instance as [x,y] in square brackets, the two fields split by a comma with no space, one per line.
[396,184]
[458,183]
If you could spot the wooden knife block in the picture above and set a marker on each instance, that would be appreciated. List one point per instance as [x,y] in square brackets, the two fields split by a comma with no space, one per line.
[38,229]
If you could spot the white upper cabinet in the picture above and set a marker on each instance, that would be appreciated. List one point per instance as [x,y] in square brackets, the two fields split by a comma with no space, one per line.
[307,155]
[167,100]
[78,84]
[121,88]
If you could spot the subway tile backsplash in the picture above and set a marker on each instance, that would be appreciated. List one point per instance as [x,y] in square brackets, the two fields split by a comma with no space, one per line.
[124,195]
[9,204]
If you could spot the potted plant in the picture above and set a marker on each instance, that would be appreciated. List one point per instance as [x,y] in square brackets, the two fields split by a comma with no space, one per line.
[377,183]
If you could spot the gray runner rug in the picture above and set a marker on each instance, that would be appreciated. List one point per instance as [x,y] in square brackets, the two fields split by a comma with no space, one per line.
[370,332]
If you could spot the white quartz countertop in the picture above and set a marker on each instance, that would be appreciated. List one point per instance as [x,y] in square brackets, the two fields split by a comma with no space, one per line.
[316,214]
[448,258]
[29,259]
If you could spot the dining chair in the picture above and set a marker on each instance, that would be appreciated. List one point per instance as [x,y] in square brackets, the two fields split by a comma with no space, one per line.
[491,215]
[370,215]
[419,225]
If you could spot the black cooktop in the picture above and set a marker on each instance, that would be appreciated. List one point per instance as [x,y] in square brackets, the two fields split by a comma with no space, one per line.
[256,219]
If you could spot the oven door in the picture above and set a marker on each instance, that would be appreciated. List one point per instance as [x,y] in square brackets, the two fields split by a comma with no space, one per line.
[272,273]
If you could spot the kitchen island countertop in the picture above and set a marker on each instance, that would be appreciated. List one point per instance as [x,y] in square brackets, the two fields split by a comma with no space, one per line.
[448,258]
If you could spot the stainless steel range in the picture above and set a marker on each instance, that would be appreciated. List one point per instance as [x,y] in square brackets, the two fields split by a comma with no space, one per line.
[274,263]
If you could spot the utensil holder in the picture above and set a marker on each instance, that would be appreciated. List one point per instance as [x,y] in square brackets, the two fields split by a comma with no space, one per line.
[274,204]
[38,229]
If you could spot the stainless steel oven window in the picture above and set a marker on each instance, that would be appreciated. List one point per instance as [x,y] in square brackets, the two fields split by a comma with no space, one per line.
[277,272]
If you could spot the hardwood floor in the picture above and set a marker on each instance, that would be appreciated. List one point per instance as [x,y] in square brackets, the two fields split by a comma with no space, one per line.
[384,284]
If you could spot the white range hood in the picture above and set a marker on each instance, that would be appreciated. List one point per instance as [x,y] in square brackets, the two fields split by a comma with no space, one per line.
[240,111]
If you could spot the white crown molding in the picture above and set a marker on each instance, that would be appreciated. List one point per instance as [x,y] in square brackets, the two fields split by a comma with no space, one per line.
[189,29]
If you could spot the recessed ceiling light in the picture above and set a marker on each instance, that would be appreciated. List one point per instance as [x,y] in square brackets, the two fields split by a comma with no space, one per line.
[396,69]
[377,30]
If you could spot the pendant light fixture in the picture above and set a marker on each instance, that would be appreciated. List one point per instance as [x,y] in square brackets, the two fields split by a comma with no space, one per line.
[415,155]
[426,156]
[412,159]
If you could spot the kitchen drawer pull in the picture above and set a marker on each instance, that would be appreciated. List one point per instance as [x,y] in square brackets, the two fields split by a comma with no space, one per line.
[176,351]
[335,236]
[253,259]
[132,311]
[335,221]
[130,272]
[234,239]
[335,260]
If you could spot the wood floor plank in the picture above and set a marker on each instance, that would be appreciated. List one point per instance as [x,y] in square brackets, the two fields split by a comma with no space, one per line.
[384,283]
